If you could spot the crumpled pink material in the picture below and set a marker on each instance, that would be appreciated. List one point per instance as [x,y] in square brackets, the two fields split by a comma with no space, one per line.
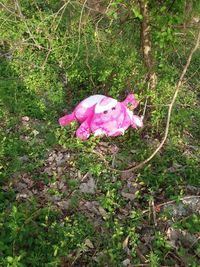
[102,115]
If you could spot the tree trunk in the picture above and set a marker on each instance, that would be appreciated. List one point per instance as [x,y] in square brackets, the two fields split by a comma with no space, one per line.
[146,44]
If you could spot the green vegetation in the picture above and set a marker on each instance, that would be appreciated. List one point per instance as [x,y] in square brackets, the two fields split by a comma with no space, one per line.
[59,204]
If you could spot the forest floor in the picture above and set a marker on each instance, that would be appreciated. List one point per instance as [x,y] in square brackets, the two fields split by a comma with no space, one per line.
[61,206]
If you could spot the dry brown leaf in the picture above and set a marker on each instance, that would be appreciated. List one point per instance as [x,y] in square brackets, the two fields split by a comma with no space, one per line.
[25,118]
[64,204]
[185,238]
[126,175]
[125,243]
[126,263]
[89,244]
[128,195]
[187,206]
[88,187]
[102,212]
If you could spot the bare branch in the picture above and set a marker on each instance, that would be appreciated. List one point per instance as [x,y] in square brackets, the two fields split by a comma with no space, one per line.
[24,20]
[179,84]
[171,105]
[79,35]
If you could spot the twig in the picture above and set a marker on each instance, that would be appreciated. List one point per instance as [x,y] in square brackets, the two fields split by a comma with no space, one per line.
[171,105]
[179,84]
[175,256]
[171,202]
[46,58]
[24,20]
[63,8]
[10,11]
[74,190]
[79,35]
[140,255]
[193,74]
[174,201]
[87,61]
[141,265]
[7,19]
[153,211]
[97,25]
[145,107]
[169,8]
[192,245]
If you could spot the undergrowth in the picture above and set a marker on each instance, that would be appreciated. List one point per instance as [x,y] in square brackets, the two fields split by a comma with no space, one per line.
[46,68]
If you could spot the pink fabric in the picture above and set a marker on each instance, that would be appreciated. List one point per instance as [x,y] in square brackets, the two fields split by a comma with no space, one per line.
[102,115]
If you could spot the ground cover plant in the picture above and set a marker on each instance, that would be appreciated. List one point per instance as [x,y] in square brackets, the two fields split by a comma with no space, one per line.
[60,202]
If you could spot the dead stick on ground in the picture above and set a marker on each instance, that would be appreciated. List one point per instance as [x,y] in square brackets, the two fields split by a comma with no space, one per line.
[179,84]
[174,201]
[171,202]
[140,255]
[153,212]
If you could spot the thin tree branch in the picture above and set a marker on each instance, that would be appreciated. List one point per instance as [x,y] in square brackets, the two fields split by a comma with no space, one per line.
[79,35]
[178,86]
[27,27]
